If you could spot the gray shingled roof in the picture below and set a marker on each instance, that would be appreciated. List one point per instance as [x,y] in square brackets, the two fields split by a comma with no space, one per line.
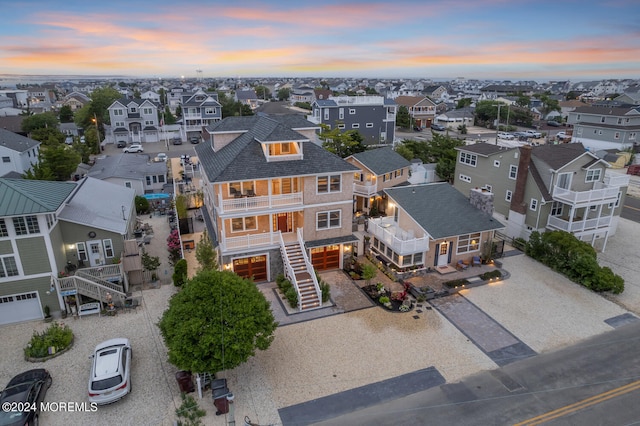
[558,156]
[26,196]
[243,158]
[16,142]
[482,148]
[126,166]
[381,160]
[441,210]
[99,204]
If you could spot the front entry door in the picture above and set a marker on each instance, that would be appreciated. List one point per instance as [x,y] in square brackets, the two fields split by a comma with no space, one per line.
[443,254]
[96,257]
[282,223]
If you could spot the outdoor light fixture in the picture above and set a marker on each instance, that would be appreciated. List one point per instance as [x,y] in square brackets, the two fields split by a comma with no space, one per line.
[72,246]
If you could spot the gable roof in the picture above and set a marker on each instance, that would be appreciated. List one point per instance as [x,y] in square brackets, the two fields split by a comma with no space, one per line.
[26,196]
[100,204]
[441,210]
[558,156]
[482,148]
[410,101]
[16,142]
[381,160]
[243,158]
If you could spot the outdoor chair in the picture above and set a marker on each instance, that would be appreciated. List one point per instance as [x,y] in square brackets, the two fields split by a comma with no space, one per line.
[461,265]
[476,261]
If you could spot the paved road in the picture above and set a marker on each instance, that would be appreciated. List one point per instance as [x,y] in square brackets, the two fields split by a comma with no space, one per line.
[593,382]
[631,209]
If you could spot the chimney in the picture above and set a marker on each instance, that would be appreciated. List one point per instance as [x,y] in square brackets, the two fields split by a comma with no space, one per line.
[517,200]
[482,199]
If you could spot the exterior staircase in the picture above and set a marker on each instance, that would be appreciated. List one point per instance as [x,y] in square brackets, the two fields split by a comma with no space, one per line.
[96,283]
[300,272]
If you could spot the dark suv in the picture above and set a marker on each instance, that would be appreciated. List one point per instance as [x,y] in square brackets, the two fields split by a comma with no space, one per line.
[194,140]
[121,144]
[438,127]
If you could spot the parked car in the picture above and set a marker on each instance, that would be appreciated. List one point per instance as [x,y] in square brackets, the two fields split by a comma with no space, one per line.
[136,147]
[110,371]
[438,127]
[122,144]
[553,123]
[161,157]
[507,136]
[177,141]
[27,389]
[194,140]
[533,134]
[69,140]
[562,135]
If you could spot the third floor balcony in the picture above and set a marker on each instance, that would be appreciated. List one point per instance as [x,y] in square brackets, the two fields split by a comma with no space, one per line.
[366,188]
[401,241]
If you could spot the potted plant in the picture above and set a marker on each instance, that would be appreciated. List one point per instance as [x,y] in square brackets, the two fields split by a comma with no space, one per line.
[47,314]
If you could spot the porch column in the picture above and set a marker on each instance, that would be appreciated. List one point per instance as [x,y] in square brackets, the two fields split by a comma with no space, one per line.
[269,184]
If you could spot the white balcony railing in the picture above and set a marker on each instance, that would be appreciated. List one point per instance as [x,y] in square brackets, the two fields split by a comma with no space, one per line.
[579,226]
[616,180]
[259,202]
[284,157]
[594,196]
[365,188]
[401,241]
[250,241]
[314,119]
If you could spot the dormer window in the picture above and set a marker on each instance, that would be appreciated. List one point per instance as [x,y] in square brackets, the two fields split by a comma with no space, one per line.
[283,151]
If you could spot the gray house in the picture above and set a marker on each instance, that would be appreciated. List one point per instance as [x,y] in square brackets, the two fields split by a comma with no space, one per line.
[18,153]
[605,127]
[374,117]
[560,187]
[50,229]
[133,121]
[135,171]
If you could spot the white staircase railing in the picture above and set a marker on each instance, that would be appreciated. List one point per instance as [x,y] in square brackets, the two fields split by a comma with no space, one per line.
[90,288]
[289,272]
[310,269]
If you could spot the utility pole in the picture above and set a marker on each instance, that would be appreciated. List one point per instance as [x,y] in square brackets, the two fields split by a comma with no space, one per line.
[498,123]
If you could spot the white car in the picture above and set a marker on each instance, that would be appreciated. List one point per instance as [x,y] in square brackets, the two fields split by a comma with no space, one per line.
[136,147]
[561,135]
[507,136]
[110,371]
[161,157]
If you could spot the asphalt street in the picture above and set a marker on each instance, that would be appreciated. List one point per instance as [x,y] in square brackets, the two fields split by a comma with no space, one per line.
[631,209]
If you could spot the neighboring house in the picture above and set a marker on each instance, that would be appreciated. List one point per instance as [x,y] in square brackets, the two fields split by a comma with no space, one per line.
[152,96]
[545,187]
[600,128]
[374,117]
[134,171]
[278,202]
[247,97]
[436,93]
[17,153]
[302,94]
[45,226]
[19,97]
[432,225]
[456,117]
[69,129]
[379,169]
[321,94]
[76,100]
[133,121]
[422,110]
[199,109]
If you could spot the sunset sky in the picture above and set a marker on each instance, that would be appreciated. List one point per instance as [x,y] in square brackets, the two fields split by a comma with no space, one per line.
[496,39]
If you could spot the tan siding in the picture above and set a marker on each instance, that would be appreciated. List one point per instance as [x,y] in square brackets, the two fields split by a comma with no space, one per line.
[33,255]
[310,232]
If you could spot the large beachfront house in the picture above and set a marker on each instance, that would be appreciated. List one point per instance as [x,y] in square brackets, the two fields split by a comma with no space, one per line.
[599,128]
[562,187]
[133,121]
[278,202]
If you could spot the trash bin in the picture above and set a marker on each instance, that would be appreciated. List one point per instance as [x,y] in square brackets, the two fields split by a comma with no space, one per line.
[185,381]
[220,401]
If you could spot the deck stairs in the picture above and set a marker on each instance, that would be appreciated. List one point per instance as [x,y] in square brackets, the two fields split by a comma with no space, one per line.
[300,272]
[98,283]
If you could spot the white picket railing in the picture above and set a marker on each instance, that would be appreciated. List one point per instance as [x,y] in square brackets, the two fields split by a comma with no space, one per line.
[259,202]
[289,272]
[309,266]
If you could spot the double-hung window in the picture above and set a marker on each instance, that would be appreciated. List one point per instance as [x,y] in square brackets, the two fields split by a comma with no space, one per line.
[593,175]
[8,267]
[108,248]
[328,220]
[240,224]
[330,183]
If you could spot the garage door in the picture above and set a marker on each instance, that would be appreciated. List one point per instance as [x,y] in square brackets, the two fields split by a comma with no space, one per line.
[251,267]
[327,257]
[20,307]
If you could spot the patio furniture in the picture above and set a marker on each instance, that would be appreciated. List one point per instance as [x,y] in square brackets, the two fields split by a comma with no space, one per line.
[476,261]
[461,266]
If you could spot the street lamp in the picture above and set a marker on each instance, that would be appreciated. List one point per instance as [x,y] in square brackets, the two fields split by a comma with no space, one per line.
[95,121]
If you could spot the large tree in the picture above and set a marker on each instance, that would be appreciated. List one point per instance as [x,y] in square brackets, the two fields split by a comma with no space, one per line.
[216,322]
[340,143]
[40,121]
[440,150]
[284,94]
[57,163]
[66,114]
[403,120]
[205,253]
[263,92]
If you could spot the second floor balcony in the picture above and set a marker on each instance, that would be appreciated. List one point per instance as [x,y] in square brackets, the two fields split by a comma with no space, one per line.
[601,194]
[249,201]
[578,225]
[401,241]
[365,188]
[247,242]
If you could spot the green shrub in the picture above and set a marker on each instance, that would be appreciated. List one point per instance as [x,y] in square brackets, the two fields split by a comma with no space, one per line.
[491,274]
[56,336]
[279,279]
[292,296]
[384,300]
[180,273]
[326,291]
[456,283]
